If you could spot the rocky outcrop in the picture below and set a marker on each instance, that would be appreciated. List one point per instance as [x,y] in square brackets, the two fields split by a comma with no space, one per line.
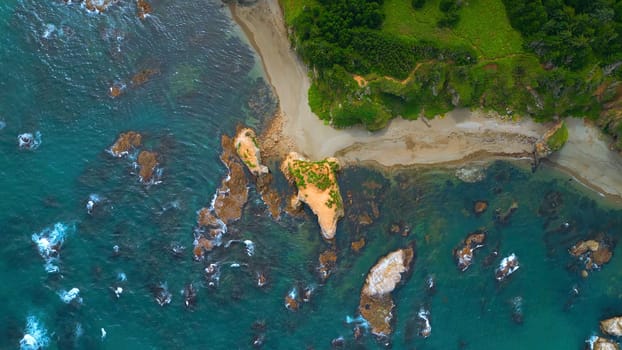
[143,76]
[464,253]
[376,304]
[143,8]
[147,163]
[247,149]
[233,191]
[599,343]
[471,174]
[317,186]
[612,326]
[126,142]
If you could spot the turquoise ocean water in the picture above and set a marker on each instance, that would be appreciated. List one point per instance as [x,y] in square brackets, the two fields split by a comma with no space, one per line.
[58,61]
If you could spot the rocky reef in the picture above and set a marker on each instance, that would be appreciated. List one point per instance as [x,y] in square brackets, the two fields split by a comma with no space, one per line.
[247,148]
[233,191]
[612,326]
[328,261]
[143,76]
[126,142]
[376,304]
[317,186]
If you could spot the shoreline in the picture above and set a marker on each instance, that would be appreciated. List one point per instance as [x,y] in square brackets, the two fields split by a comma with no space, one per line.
[459,138]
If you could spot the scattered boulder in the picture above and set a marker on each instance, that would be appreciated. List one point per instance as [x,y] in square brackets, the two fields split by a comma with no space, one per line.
[317,186]
[376,304]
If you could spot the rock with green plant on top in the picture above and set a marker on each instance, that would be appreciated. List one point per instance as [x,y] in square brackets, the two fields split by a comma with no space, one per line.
[247,148]
[317,186]
[552,140]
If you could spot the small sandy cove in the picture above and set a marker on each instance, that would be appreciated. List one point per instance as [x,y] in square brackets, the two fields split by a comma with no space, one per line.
[459,137]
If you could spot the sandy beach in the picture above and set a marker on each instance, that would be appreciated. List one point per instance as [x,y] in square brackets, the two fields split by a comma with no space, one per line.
[459,137]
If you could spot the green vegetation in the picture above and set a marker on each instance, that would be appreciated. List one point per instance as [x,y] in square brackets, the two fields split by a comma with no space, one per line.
[558,139]
[373,60]
[315,173]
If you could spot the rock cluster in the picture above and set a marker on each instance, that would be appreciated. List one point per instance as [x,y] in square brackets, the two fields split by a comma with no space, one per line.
[317,186]
[147,163]
[592,253]
[376,304]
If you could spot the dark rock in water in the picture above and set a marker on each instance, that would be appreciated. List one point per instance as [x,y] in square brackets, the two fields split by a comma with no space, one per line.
[328,261]
[258,341]
[212,275]
[517,310]
[338,343]
[259,325]
[190,296]
[161,294]
[551,204]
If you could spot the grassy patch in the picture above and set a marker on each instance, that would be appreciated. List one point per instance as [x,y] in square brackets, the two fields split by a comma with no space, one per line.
[292,8]
[483,25]
[558,139]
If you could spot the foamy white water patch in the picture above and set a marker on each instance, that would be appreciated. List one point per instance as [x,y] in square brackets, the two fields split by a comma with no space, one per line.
[35,335]
[71,295]
[29,141]
[49,242]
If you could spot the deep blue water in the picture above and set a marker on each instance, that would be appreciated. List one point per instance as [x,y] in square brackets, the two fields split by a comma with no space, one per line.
[57,64]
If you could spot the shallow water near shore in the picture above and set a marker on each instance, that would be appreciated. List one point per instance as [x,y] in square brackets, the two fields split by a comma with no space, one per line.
[58,64]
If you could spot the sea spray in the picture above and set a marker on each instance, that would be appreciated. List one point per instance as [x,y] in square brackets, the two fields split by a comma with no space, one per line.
[35,335]
[49,242]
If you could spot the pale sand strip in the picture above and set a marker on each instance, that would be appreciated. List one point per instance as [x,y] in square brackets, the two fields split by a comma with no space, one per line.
[460,136]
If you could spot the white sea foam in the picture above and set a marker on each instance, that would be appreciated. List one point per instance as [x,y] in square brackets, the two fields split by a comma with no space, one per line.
[49,242]
[29,141]
[35,335]
[49,29]
[71,295]
[121,277]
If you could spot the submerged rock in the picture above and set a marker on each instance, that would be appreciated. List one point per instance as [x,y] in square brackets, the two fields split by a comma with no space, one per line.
[358,245]
[269,195]
[143,76]
[471,174]
[503,217]
[126,142]
[376,304]
[464,253]
[29,141]
[292,300]
[317,186]
[247,148]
